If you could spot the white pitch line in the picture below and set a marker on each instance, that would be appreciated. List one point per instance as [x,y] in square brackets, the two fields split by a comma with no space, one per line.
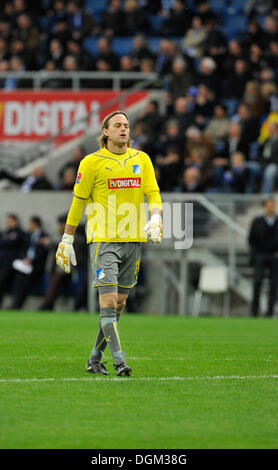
[125,379]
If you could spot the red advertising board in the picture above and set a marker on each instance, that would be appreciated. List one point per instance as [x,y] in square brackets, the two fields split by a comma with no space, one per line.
[36,115]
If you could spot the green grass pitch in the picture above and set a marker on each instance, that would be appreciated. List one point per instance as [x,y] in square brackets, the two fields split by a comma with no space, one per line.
[203,383]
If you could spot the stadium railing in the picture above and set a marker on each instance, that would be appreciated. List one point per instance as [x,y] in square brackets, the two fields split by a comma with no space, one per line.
[75,78]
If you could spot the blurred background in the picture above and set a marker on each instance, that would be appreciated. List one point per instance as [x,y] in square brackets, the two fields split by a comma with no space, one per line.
[198,79]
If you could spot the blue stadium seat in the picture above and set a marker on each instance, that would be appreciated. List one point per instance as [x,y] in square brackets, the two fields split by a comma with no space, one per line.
[91,44]
[156,23]
[122,46]
[219,6]
[232,25]
[154,44]
[238,5]
[95,5]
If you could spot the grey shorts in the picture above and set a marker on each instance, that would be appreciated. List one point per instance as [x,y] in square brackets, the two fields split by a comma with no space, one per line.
[115,265]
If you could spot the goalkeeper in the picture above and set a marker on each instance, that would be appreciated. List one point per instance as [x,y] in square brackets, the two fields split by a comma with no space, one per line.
[112,183]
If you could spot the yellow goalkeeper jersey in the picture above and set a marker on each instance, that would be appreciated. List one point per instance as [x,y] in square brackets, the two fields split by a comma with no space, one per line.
[114,187]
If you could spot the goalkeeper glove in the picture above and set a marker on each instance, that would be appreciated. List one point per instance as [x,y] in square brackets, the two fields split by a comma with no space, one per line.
[154,229]
[65,253]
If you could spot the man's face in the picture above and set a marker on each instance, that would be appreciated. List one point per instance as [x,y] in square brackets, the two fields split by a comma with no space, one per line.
[118,129]
[269,207]
[11,222]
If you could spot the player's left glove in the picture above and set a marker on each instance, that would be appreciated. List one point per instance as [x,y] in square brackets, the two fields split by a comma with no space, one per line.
[154,229]
[65,253]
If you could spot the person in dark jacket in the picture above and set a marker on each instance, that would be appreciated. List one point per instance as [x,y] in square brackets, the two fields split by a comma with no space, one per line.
[32,266]
[36,181]
[59,278]
[11,247]
[263,242]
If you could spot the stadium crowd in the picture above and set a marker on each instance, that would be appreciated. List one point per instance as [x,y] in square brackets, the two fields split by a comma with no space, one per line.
[220,131]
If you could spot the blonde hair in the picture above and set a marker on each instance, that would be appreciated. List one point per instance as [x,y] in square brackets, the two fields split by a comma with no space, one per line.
[102,139]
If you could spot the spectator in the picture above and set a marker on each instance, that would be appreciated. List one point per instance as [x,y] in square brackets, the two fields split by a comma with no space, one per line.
[14,82]
[254,33]
[27,32]
[126,64]
[83,58]
[18,49]
[194,40]
[35,181]
[81,22]
[236,177]
[11,247]
[31,267]
[258,7]
[250,125]
[106,55]
[205,11]
[140,50]
[169,166]
[236,141]
[263,243]
[59,278]
[269,159]
[218,126]
[153,123]
[56,53]
[180,79]
[208,75]
[236,83]
[253,97]
[147,65]
[56,13]
[191,182]
[61,31]
[112,21]
[5,29]
[68,180]
[198,158]
[171,138]
[235,52]
[178,20]
[270,30]
[139,136]
[51,83]
[182,114]
[165,56]
[204,105]
[135,20]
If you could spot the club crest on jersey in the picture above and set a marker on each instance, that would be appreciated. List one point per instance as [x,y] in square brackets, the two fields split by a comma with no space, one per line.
[136,169]
[121,183]
[78,178]
[100,273]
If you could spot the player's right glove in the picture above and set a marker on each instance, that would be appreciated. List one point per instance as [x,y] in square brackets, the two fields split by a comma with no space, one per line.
[65,253]
[154,229]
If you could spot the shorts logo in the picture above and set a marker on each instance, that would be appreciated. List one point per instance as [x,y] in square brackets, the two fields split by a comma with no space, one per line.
[78,178]
[100,274]
[119,183]
[136,169]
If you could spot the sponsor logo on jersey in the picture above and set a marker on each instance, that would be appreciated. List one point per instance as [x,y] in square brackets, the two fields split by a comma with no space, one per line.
[100,273]
[136,169]
[120,183]
[78,178]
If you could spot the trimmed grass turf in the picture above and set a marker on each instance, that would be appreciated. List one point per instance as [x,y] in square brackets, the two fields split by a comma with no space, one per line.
[199,411]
